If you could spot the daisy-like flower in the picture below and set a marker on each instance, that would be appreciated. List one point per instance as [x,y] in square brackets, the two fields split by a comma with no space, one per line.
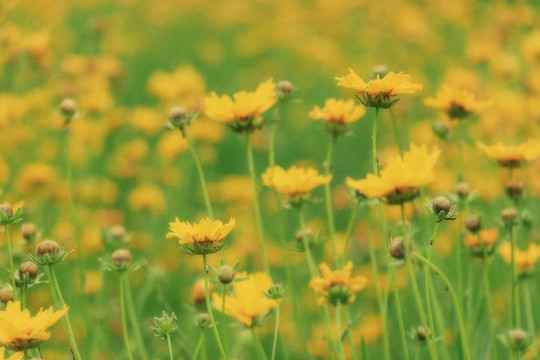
[20,331]
[401,179]
[243,112]
[337,285]
[378,92]
[295,182]
[248,302]
[457,103]
[524,260]
[488,237]
[511,156]
[337,114]
[206,237]
[17,356]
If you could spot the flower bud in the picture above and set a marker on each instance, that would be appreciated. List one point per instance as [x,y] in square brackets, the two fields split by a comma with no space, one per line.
[308,233]
[68,107]
[441,129]
[28,231]
[203,320]
[518,336]
[29,268]
[177,113]
[509,215]
[197,292]
[117,232]
[226,274]
[284,88]
[422,334]
[6,295]
[514,188]
[382,70]
[6,210]
[397,248]
[472,223]
[463,189]
[440,203]
[121,257]
[47,247]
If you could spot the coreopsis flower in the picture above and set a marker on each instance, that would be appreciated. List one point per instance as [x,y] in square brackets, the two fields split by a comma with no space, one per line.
[206,237]
[401,179]
[243,112]
[512,156]
[17,356]
[378,92]
[337,286]
[457,103]
[487,237]
[524,260]
[20,331]
[295,182]
[337,114]
[248,302]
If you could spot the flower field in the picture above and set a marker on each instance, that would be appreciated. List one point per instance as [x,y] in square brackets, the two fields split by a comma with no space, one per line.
[269,179]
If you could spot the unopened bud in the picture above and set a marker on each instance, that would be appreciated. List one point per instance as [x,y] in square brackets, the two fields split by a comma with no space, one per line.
[441,203]
[441,129]
[117,231]
[307,233]
[472,223]
[509,215]
[68,107]
[380,70]
[226,274]
[463,189]
[28,231]
[6,210]
[203,320]
[121,257]
[29,268]
[6,295]
[422,334]
[177,113]
[47,247]
[285,87]
[397,248]
[518,336]
[514,188]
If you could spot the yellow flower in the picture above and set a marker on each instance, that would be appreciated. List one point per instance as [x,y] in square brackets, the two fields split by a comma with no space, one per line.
[511,156]
[20,331]
[242,113]
[295,181]
[377,92]
[338,112]
[487,236]
[337,286]
[206,231]
[248,301]
[16,356]
[399,181]
[458,103]
[524,260]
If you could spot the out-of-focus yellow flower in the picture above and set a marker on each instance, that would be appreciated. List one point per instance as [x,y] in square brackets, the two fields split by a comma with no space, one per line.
[245,110]
[295,181]
[524,260]
[35,177]
[17,356]
[147,197]
[339,112]
[399,181]
[512,156]
[20,331]
[204,232]
[531,48]
[337,286]
[377,92]
[457,103]
[248,301]
[487,236]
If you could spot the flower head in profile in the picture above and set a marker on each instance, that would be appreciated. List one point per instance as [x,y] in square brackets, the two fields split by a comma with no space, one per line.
[20,331]
[17,356]
[248,303]
[512,156]
[524,260]
[337,285]
[401,179]
[295,182]
[378,92]
[243,111]
[206,237]
[483,240]
[337,114]
[457,103]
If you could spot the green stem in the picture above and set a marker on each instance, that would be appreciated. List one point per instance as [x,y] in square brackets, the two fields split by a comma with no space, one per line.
[11,266]
[224,318]
[258,216]
[529,314]
[209,308]
[374,143]
[440,320]
[487,297]
[338,329]
[133,319]
[515,304]
[459,257]
[338,350]
[428,286]
[204,348]
[59,300]
[198,348]
[416,290]
[397,136]
[258,345]
[276,332]
[328,200]
[457,307]
[170,346]
[24,292]
[307,249]
[349,231]
[124,315]
[272,150]
[461,141]
[350,333]
[200,171]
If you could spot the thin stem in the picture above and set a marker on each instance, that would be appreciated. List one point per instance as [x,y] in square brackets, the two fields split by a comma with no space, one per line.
[529,314]
[124,316]
[24,293]
[338,329]
[133,319]
[11,267]
[307,249]
[209,308]
[328,200]
[198,348]
[459,250]
[349,231]
[397,135]
[350,333]
[374,143]
[57,297]
[515,304]
[170,346]
[428,286]
[338,349]
[457,307]
[200,171]
[276,332]
[224,317]
[487,296]
[258,345]
[416,291]
[258,216]
[272,149]
[461,141]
